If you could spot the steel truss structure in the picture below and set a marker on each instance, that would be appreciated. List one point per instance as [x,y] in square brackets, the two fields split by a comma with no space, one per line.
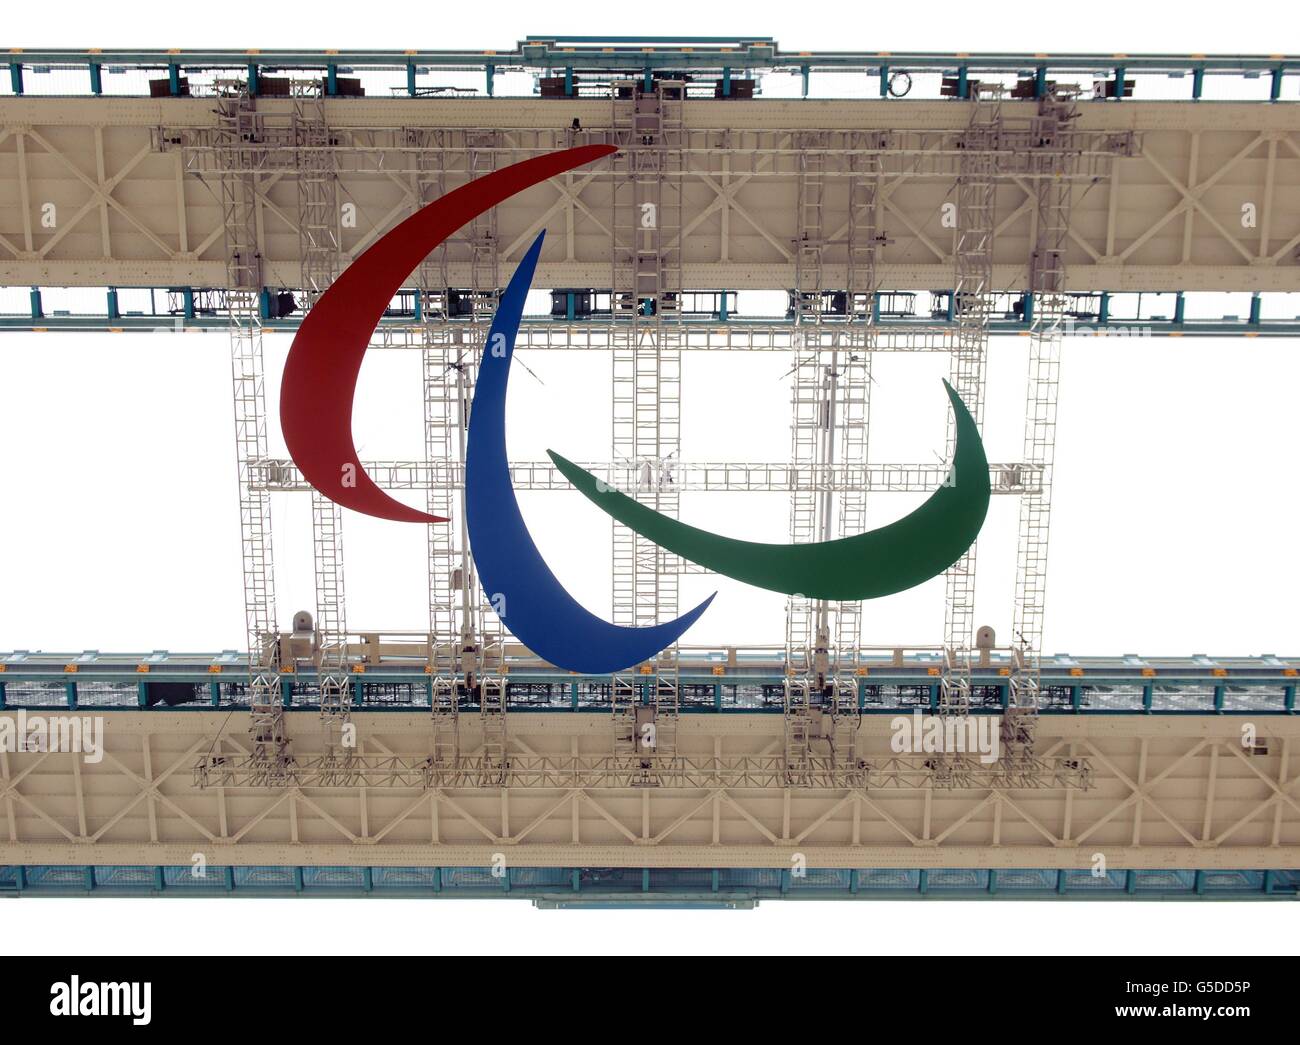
[1163,223]
[260,200]
[1163,793]
[1047,282]
[319,252]
[244,282]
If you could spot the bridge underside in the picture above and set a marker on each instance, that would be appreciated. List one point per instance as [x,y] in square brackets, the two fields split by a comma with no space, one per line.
[1178,793]
[135,188]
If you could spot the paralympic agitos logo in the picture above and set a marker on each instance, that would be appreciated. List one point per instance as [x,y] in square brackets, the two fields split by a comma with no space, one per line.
[317,392]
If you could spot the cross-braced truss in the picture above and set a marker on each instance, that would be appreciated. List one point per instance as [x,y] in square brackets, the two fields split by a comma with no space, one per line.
[1181,792]
[136,205]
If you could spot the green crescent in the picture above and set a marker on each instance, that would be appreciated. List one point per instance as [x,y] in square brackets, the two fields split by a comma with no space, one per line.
[879,562]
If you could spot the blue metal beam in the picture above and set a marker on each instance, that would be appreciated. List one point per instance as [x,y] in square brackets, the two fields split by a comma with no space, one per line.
[661,54]
[1105,313]
[1164,328]
[739,694]
[684,885]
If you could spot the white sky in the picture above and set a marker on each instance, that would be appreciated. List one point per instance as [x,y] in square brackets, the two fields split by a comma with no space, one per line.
[1205,26]
[1172,528]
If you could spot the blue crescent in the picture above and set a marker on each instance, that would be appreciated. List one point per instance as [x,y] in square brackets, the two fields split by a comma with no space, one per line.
[532,602]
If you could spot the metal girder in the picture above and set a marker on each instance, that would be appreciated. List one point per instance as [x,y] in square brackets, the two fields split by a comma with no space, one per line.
[1169,217]
[278,474]
[1177,792]
[697,335]
[656,54]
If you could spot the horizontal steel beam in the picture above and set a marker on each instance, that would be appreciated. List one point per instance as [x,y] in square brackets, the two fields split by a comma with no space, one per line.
[698,335]
[1084,277]
[707,887]
[718,477]
[640,54]
[1171,793]
[1141,221]
[377,652]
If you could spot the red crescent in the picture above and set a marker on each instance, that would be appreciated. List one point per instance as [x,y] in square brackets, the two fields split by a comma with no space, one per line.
[320,375]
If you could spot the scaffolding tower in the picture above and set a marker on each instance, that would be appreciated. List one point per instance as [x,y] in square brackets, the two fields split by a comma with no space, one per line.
[862,239]
[443,354]
[318,246]
[1053,168]
[646,336]
[240,134]
[972,300]
[831,398]
[466,642]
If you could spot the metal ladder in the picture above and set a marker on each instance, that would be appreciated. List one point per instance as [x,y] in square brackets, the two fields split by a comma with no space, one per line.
[810,424]
[852,415]
[810,236]
[846,718]
[331,654]
[442,397]
[853,382]
[318,212]
[798,723]
[807,432]
[492,720]
[647,429]
[863,234]
[444,352]
[444,702]
[666,699]
[623,700]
